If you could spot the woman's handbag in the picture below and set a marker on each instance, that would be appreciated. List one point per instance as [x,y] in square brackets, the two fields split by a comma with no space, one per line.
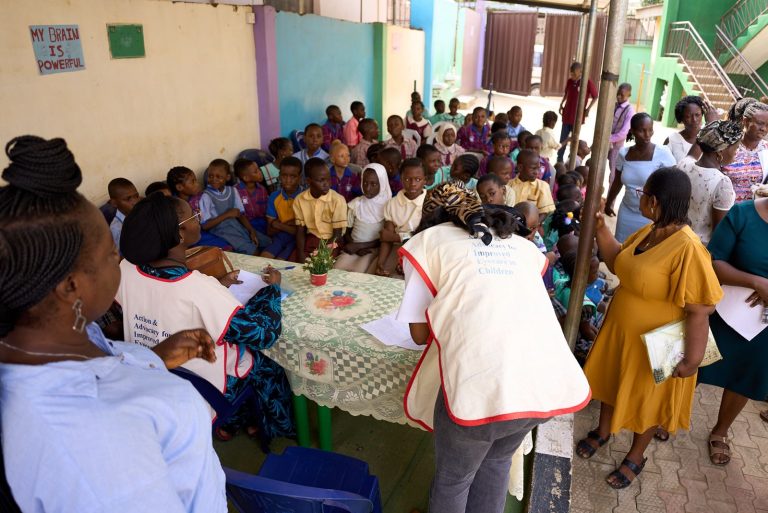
[209,260]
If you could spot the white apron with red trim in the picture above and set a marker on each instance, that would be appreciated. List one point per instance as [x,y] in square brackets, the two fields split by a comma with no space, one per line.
[495,343]
[154,309]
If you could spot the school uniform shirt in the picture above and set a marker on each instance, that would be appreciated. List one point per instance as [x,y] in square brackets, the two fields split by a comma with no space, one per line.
[474,140]
[622,115]
[320,215]
[271,176]
[154,309]
[550,143]
[348,185]
[207,208]
[358,154]
[117,433]
[304,156]
[404,213]
[485,360]
[351,136]
[423,127]
[407,148]
[116,227]
[514,131]
[537,192]
[331,132]
[510,197]
[280,206]
[255,202]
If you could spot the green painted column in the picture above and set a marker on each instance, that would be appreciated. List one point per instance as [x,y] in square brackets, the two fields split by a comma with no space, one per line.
[379,74]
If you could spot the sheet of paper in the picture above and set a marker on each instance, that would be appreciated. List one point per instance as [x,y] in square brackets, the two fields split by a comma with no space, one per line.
[392,332]
[738,315]
[763,155]
[252,283]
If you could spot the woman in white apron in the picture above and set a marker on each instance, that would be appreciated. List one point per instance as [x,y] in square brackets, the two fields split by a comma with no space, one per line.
[489,373]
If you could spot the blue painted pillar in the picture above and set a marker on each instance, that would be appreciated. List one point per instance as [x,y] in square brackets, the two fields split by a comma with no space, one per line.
[423,18]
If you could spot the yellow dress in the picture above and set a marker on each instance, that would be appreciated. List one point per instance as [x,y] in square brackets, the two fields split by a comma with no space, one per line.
[655,286]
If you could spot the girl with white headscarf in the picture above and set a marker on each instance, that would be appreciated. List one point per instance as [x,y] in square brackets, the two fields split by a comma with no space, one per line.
[365,217]
[445,142]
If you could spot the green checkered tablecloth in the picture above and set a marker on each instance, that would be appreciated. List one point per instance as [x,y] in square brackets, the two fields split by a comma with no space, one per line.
[327,356]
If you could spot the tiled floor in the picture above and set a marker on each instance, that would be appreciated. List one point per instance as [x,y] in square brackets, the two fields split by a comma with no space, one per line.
[678,477]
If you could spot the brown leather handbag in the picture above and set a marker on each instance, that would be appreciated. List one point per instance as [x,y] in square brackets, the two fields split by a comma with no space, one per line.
[209,260]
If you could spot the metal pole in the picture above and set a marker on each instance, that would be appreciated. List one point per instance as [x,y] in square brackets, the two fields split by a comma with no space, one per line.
[586,65]
[582,34]
[608,84]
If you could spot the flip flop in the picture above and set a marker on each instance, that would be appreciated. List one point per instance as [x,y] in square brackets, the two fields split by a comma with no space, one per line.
[624,481]
[585,449]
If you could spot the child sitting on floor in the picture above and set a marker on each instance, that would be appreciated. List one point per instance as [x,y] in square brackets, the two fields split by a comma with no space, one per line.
[280,148]
[501,148]
[402,215]
[445,142]
[521,138]
[550,143]
[280,216]
[502,167]
[435,173]
[476,137]
[321,213]
[369,132]
[453,113]
[546,171]
[439,114]
[582,152]
[464,169]
[254,197]
[391,159]
[343,180]
[527,185]
[365,217]
[406,145]
[160,187]
[416,121]
[333,128]
[351,134]
[313,139]
[222,211]
[123,196]
[565,218]
[490,189]
[514,127]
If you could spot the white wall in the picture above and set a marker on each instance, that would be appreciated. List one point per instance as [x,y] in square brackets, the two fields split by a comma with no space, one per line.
[404,64]
[361,11]
[190,100]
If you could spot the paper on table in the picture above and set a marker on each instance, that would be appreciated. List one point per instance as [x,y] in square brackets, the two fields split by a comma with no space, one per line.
[392,332]
[738,314]
[252,283]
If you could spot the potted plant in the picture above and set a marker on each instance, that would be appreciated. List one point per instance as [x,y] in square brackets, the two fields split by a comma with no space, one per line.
[320,262]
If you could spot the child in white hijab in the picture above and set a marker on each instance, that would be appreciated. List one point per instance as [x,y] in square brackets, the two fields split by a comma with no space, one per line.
[445,142]
[365,219]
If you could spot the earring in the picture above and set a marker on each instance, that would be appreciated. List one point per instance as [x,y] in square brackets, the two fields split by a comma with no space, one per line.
[80,320]
[181,239]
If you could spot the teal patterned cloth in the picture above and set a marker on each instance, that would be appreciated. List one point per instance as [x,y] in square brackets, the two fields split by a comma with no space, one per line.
[327,356]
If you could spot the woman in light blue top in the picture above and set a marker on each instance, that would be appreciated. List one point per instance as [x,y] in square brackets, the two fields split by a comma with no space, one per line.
[633,167]
[88,424]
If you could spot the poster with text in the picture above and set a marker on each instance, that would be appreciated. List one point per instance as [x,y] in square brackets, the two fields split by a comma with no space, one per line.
[58,48]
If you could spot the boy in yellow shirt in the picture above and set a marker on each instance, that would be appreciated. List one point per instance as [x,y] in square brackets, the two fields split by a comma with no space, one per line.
[529,188]
[321,213]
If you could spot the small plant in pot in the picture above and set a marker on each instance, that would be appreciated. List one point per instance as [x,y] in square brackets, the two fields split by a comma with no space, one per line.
[320,262]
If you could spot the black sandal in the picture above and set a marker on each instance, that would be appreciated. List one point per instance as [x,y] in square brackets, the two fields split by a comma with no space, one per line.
[585,449]
[661,434]
[624,481]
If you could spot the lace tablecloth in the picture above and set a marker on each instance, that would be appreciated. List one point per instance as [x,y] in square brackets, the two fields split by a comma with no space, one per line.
[332,361]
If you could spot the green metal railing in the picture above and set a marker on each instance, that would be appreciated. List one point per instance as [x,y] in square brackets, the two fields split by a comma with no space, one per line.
[738,19]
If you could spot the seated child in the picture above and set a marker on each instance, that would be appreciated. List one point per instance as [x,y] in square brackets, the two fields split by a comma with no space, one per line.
[343,180]
[521,138]
[527,185]
[313,138]
[502,118]
[365,217]
[402,215]
[416,97]
[183,182]
[464,169]
[550,143]
[498,126]
[254,197]
[369,133]
[501,148]
[406,145]
[333,128]
[565,218]
[321,213]
[582,152]
[416,121]
[490,189]
[123,196]
[453,113]
[280,148]
[567,178]
[351,134]
[439,114]
[445,142]
[160,187]
[514,127]
[502,167]
[435,173]
[532,222]
[583,171]
[546,171]
[476,137]
[280,216]
[372,154]
[391,159]
[222,211]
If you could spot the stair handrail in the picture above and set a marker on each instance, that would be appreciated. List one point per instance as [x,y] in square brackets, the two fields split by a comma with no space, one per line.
[687,28]
[740,16]
[727,44]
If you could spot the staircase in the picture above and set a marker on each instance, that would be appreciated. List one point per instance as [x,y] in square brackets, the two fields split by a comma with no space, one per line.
[705,74]
[743,25]
[739,69]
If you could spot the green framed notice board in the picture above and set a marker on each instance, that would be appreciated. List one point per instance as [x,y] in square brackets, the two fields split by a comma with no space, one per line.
[126,41]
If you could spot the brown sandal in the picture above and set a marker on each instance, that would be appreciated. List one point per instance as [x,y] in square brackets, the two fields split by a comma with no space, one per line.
[715,450]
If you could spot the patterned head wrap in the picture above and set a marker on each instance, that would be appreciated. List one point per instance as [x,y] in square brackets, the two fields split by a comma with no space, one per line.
[746,108]
[719,135]
[461,205]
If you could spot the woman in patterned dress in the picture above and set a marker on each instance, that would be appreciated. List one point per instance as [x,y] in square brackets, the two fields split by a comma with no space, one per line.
[746,171]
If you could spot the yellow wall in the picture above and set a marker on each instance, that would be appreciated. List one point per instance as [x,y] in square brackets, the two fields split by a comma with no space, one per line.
[404,64]
[190,100]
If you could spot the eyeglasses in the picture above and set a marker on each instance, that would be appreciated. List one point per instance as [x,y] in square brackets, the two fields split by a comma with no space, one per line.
[196,215]
[638,192]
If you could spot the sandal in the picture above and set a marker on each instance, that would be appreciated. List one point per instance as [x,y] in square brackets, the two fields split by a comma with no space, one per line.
[724,453]
[585,449]
[661,434]
[764,415]
[223,435]
[622,480]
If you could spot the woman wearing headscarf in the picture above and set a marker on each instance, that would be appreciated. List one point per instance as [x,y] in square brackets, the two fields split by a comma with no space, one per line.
[746,171]
[365,219]
[481,384]
[158,293]
[88,424]
[445,142]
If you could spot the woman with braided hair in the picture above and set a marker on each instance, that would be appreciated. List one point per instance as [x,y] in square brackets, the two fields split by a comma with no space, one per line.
[490,375]
[746,170]
[88,424]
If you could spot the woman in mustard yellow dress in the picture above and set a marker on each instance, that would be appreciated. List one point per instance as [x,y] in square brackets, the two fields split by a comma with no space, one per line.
[666,275]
